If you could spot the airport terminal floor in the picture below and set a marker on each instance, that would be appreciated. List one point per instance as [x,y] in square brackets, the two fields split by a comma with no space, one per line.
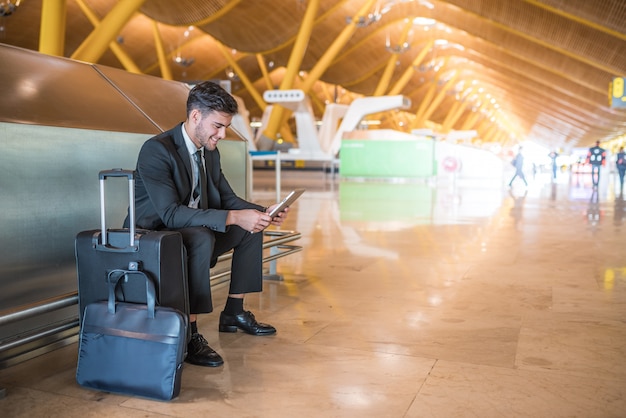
[409,299]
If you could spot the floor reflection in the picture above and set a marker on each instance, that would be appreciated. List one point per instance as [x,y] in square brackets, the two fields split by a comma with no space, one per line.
[428,299]
[389,206]
[619,210]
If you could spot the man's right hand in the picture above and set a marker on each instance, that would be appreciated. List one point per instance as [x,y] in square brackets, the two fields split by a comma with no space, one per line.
[249,219]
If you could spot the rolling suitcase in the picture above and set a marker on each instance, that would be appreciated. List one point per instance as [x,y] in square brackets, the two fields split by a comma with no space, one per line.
[160,254]
[130,348]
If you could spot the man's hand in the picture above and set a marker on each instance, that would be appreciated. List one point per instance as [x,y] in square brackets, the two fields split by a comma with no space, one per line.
[280,217]
[249,219]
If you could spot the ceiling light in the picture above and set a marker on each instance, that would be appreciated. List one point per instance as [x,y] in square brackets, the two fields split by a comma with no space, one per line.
[424,21]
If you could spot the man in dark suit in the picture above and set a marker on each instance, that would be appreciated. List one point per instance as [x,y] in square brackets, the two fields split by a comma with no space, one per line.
[173,192]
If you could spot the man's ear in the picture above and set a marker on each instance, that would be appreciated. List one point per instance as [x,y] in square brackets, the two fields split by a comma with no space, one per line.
[195,116]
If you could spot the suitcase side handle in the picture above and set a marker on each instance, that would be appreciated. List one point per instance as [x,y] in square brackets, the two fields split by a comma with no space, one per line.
[130,175]
[124,274]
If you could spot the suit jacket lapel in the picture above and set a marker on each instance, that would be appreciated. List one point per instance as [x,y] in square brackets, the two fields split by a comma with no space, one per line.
[183,153]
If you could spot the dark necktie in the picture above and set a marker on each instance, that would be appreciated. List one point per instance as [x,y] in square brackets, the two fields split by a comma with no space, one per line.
[200,189]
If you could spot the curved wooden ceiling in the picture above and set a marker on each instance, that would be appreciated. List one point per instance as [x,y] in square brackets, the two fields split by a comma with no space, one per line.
[533,69]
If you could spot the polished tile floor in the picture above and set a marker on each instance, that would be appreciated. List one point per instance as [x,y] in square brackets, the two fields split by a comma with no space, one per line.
[447,299]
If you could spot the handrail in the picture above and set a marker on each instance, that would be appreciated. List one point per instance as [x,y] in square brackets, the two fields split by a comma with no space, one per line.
[283,237]
[277,241]
[38,308]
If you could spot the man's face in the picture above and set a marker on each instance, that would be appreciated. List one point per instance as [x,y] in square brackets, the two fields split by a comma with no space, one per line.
[208,129]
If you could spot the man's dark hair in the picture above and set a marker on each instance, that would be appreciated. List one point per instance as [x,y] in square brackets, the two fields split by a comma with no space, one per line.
[209,96]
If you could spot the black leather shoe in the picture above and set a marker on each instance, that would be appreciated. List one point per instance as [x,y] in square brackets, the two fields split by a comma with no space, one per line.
[244,321]
[199,353]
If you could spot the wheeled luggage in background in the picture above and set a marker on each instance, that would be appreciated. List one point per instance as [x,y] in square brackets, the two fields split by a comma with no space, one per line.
[130,348]
[160,254]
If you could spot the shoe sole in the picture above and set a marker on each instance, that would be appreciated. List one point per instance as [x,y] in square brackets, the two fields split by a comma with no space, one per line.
[216,364]
[233,328]
[228,328]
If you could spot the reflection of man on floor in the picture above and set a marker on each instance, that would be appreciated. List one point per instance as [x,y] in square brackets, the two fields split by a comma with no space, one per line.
[596,157]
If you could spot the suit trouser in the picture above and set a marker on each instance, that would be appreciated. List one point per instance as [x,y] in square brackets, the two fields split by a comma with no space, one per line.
[204,246]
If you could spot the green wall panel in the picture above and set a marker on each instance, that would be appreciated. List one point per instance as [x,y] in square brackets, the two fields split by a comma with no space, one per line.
[374,158]
[407,203]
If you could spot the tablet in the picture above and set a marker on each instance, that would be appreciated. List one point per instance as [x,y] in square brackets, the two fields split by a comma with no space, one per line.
[291,197]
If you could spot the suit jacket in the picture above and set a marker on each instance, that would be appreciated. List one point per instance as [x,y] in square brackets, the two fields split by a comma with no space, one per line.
[163,187]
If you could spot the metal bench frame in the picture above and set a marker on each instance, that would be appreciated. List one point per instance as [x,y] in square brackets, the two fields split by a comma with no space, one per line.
[66,332]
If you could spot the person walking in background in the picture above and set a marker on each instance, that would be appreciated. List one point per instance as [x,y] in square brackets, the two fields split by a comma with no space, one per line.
[518,163]
[596,157]
[621,168]
[553,156]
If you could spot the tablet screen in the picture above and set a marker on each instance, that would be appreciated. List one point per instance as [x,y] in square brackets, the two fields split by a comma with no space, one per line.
[287,201]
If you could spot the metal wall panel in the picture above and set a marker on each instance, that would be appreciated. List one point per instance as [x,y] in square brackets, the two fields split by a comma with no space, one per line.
[49,192]
[61,122]
[161,101]
[44,90]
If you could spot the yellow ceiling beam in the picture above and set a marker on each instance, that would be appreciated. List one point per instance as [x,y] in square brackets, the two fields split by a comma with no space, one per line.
[122,56]
[52,29]
[383,83]
[448,121]
[278,116]
[333,50]
[178,50]
[319,19]
[300,45]
[328,97]
[256,96]
[98,41]
[490,131]
[266,76]
[317,102]
[473,118]
[437,100]
[455,112]
[408,73]
[419,115]
[166,71]
[430,93]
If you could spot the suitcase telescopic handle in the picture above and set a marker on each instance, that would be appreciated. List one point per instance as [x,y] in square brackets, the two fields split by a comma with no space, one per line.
[130,175]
